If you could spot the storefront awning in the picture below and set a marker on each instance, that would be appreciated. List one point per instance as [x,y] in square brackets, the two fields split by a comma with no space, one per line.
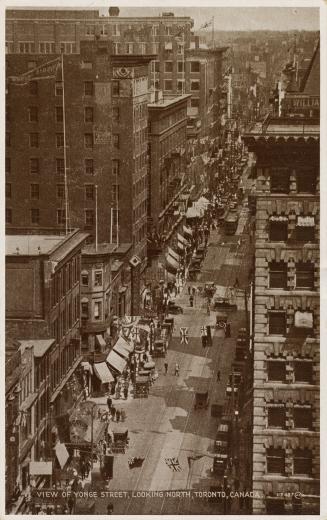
[101,341]
[40,468]
[278,218]
[180,246]
[193,213]
[305,221]
[187,231]
[303,320]
[182,239]
[122,341]
[121,351]
[103,373]
[116,362]
[170,276]
[175,255]
[172,262]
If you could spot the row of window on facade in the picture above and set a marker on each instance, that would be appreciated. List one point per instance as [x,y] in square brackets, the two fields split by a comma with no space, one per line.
[69,314]
[97,310]
[306,180]
[29,47]
[302,325]
[35,168]
[36,217]
[304,275]
[89,141]
[305,229]
[169,66]
[300,418]
[61,365]
[89,191]
[64,280]
[301,462]
[299,371]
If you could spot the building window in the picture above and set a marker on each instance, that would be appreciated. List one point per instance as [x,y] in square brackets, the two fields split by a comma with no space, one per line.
[302,461]
[168,84]
[180,66]
[89,167]
[180,85]
[59,114]
[61,217]
[116,141]
[278,230]
[276,417]
[277,323]
[89,217]
[58,88]
[85,309]
[98,310]
[8,165]
[88,114]
[115,167]
[60,191]
[47,48]
[88,88]
[8,140]
[302,417]
[88,140]
[195,102]
[33,88]
[35,216]
[60,140]
[276,370]
[60,166]
[303,372]
[34,140]
[129,48]
[33,114]
[85,279]
[279,180]
[90,30]
[115,114]
[306,180]
[168,66]
[155,66]
[195,66]
[195,85]
[87,65]
[103,30]
[278,275]
[115,193]
[8,216]
[8,190]
[89,192]
[35,191]
[305,229]
[275,460]
[180,48]
[34,166]
[26,47]
[115,88]
[98,279]
[305,275]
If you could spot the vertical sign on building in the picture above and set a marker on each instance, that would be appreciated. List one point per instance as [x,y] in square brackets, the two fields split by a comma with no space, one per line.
[135,263]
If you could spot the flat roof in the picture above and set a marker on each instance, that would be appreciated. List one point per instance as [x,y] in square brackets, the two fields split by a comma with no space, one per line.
[104,248]
[166,101]
[284,126]
[33,245]
[40,345]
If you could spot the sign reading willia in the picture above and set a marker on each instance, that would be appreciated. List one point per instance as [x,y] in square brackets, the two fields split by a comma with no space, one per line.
[162,261]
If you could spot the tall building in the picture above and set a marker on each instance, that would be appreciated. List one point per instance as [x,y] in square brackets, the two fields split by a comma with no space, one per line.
[183,65]
[284,427]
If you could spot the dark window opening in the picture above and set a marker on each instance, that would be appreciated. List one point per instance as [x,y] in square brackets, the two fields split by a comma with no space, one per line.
[276,417]
[275,460]
[277,323]
[279,180]
[305,275]
[278,275]
[302,462]
[303,371]
[306,180]
[302,417]
[276,370]
[278,231]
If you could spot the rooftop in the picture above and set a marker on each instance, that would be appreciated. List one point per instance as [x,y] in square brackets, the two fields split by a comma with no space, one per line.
[102,249]
[48,244]
[285,127]
[116,265]
[167,101]
[40,345]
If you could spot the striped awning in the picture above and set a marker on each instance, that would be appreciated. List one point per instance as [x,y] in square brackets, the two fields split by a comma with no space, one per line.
[103,373]
[117,362]
[171,262]
[187,231]
[182,239]
[175,255]
[305,221]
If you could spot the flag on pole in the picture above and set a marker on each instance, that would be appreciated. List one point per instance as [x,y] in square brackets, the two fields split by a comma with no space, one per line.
[184,335]
[46,71]
[207,24]
[193,458]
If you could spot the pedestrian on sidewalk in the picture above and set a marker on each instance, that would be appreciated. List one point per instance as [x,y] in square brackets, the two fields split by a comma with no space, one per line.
[118,415]
[125,392]
[123,415]
[189,290]
[166,367]
[227,330]
[109,403]
[113,413]
[177,369]
[218,375]
[191,300]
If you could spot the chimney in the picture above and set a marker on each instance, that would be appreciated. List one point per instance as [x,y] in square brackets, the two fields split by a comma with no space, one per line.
[197,42]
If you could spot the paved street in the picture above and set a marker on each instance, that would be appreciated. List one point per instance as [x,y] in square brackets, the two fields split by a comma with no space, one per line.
[166,426]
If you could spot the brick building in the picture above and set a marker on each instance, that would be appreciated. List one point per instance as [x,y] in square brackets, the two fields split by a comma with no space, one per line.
[285,405]
[183,64]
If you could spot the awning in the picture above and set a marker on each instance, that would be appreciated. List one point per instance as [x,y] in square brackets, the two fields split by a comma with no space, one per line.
[182,239]
[180,246]
[187,231]
[116,361]
[193,213]
[170,276]
[175,255]
[122,341]
[61,453]
[305,221]
[101,341]
[278,218]
[303,320]
[172,262]
[84,300]
[40,468]
[103,373]
[121,351]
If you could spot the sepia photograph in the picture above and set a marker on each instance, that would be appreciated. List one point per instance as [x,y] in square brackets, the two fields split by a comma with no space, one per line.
[162,260]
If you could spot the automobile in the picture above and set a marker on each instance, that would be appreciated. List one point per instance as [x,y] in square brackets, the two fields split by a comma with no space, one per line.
[172,308]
